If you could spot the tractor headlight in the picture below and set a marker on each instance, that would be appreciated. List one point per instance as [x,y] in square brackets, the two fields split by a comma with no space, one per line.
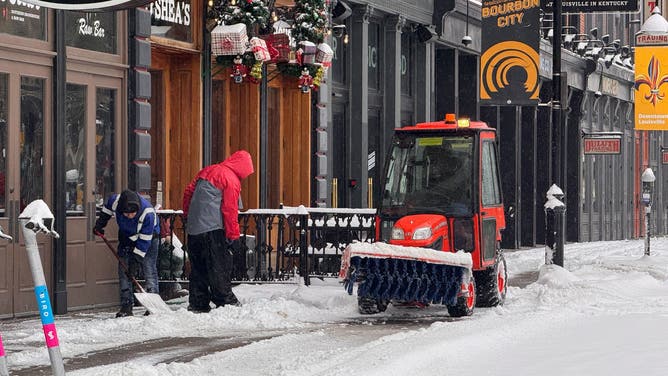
[422,233]
[397,233]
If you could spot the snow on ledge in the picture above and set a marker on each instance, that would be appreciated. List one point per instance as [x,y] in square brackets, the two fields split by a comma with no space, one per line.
[384,250]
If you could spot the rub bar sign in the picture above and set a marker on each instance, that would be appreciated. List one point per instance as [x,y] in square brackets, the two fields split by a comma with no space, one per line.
[602,144]
[90,5]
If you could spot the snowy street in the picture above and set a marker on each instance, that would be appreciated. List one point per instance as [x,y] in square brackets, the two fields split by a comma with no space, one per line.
[605,313]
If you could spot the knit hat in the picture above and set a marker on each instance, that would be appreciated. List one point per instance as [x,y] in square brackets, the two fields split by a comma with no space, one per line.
[129,202]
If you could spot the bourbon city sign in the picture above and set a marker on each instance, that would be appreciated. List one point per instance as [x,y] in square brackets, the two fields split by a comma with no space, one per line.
[89,5]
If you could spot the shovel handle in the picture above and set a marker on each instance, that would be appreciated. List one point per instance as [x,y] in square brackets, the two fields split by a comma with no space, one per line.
[124,266]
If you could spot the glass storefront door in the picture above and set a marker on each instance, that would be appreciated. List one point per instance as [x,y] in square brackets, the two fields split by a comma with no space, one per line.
[24,98]
[92,114]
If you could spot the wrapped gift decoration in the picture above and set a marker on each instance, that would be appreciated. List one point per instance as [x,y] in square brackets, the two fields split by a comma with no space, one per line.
[280,45]
[324,54]
[229,39]
[260,50]
[307,51]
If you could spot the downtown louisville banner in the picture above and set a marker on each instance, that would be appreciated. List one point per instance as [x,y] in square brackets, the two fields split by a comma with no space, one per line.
[651,87]
[510,52]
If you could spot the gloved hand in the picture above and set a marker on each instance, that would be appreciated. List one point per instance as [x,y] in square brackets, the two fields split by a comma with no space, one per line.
[234,245]
[99,231]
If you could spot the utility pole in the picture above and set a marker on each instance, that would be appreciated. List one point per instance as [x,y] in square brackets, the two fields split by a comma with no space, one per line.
[556,229]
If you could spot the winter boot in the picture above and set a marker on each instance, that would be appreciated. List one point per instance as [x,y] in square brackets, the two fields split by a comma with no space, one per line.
[125,311]
[199,310]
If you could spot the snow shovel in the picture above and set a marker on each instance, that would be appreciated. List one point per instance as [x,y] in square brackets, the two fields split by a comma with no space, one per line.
[151,301]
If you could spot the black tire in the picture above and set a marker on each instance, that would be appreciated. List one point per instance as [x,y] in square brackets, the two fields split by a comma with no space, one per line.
[369,306]
[492,283]
[465,303]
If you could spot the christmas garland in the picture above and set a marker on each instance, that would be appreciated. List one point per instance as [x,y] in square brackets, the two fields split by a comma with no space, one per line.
[310,20]
[250,12]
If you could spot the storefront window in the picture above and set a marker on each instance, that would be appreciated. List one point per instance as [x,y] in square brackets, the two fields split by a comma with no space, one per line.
[32,140]
[4,98]
[338,67]
[104,144]
[171,19]
[22,19]
[91,31]
[374,56]
[75,148]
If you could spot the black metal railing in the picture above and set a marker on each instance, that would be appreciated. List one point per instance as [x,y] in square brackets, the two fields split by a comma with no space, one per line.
[279,244]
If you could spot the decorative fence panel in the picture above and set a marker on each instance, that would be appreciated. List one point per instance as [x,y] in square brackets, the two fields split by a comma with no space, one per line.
[277,245]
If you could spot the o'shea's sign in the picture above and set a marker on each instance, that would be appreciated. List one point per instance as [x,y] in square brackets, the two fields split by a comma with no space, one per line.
[602,145]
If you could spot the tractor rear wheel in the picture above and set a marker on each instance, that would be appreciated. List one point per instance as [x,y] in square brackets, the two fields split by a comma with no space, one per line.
[466,302]
[369,306]
[492,283]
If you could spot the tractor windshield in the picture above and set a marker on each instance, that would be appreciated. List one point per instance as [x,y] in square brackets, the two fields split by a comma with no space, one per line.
[429,173]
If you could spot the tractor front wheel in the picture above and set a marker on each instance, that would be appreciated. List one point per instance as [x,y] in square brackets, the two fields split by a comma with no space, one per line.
[465,301]
[369,306]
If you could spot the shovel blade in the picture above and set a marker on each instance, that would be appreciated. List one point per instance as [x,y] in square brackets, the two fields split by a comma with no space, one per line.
[152,302]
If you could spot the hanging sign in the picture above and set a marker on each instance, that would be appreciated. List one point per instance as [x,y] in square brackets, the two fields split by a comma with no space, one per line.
[510,59]
[592,6]
[650,83]
[602,145]
[90,5]
[664,155]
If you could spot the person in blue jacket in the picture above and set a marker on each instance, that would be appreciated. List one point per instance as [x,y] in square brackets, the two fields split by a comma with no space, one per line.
[139,238]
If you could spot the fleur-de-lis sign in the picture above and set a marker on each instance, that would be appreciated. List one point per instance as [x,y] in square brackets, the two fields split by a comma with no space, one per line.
[653,81]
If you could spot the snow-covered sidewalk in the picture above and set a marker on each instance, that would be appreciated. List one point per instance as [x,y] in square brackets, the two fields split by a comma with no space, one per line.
[604,313]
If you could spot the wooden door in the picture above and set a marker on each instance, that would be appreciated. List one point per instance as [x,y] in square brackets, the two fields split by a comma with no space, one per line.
[24,127]
[176,126]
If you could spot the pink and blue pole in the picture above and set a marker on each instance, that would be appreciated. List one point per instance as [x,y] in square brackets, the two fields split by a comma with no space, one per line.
[4,371]
[3,362]
[32,221]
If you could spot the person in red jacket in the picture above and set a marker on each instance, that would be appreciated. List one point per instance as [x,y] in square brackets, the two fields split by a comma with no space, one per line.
[210,207]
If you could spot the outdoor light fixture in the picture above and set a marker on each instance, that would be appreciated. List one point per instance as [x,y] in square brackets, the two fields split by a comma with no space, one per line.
[609,55]
[341,11]
[594,32]
[338,30]
[425,33]
[467,40]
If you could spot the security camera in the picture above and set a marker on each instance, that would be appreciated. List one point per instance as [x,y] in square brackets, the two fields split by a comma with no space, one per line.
[338,30]
[598,94]
[467,40]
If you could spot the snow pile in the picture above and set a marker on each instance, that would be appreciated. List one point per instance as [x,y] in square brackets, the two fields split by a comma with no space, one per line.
[604,313]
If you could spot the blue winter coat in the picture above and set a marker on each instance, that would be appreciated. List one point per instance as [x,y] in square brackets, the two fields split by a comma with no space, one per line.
[137,231]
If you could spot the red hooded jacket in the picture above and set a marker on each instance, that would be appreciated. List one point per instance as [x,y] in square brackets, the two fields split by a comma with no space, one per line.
[226,177]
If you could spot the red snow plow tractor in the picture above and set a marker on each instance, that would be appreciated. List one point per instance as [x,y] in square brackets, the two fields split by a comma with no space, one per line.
[439,223]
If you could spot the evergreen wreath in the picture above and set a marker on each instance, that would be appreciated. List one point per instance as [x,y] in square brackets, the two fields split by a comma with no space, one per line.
[310,20]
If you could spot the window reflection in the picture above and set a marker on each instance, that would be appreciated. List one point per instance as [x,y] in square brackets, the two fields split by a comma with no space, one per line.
[75,148]
[4,97]
[104,144]
[32,140]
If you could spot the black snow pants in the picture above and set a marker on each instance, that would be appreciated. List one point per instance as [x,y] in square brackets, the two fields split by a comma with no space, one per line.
[211,271]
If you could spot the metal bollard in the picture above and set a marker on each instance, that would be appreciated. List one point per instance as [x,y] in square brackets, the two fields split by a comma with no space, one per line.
[32,221]
[555,222]
[647,179]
